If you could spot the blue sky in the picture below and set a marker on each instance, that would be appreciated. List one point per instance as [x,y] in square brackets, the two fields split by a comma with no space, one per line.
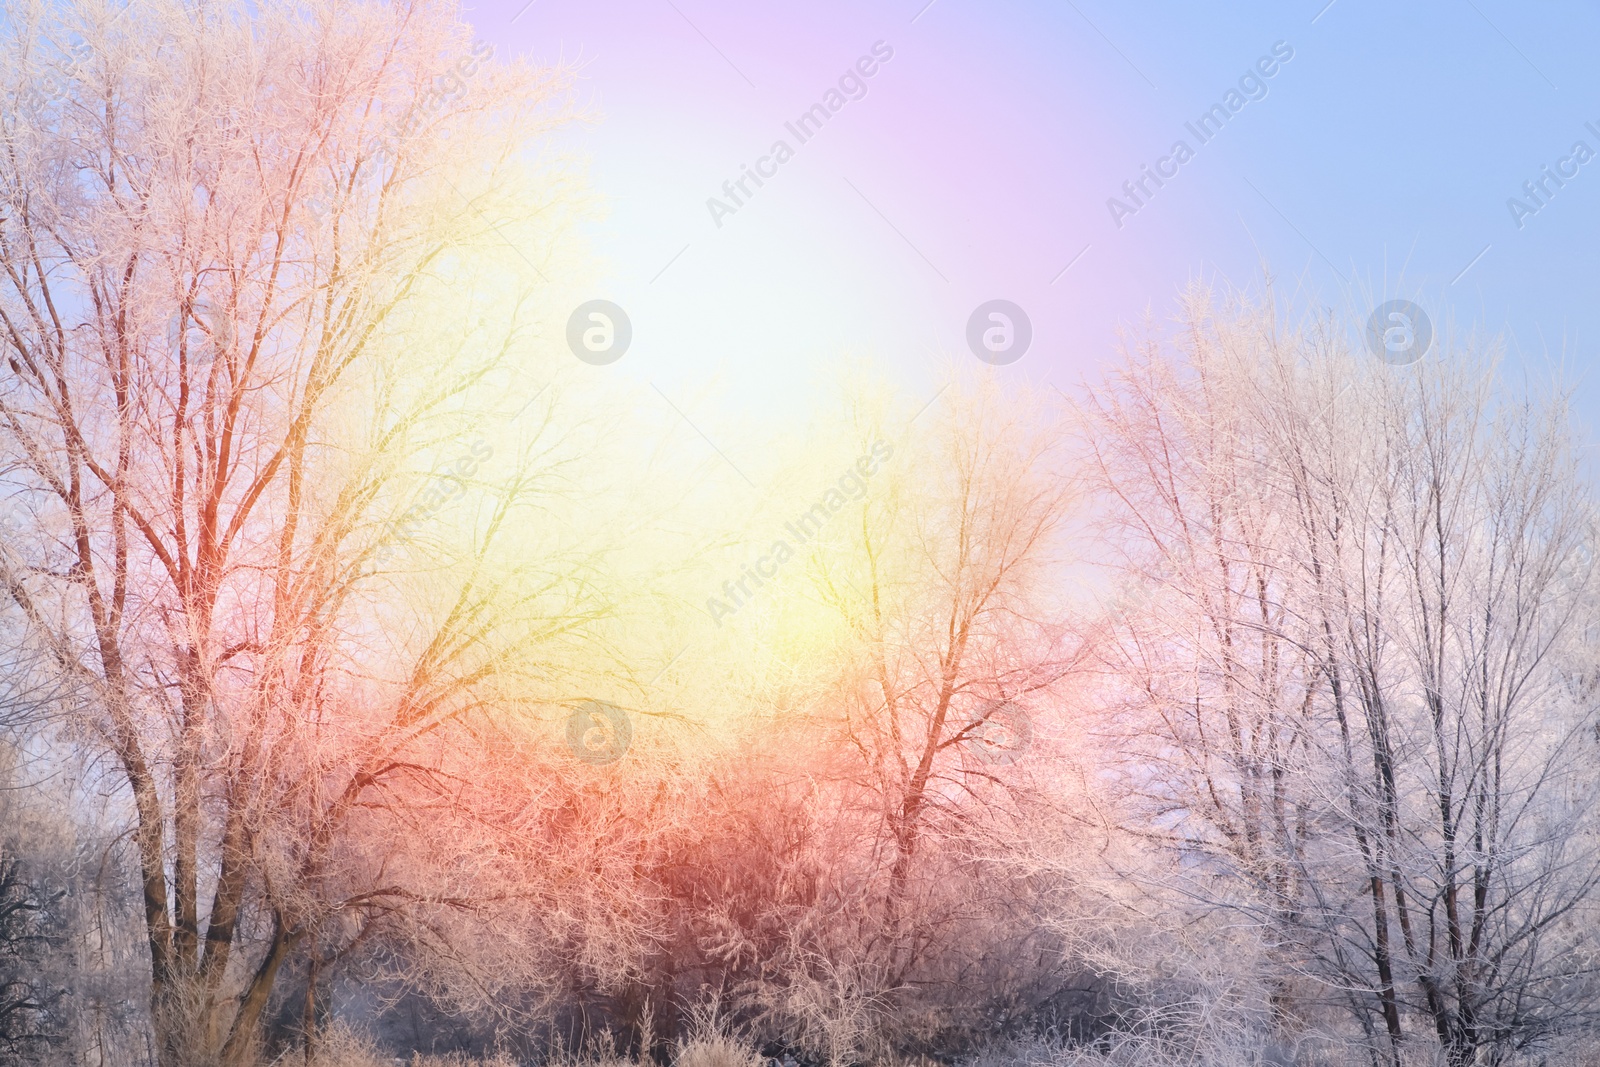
[979,163]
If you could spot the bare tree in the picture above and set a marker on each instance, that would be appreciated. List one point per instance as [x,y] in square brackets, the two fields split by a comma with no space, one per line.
[947,666]
[1358,689]
[36,1003]
[225,243]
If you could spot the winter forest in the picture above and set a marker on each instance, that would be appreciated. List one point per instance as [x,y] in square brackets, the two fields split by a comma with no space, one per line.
[381,684]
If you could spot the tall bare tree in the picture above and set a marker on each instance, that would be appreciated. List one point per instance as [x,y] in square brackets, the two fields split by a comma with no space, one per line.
[1359,686]
[951,665]
[257,264]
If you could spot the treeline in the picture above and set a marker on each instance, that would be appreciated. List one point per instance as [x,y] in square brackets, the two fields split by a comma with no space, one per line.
[1239,707]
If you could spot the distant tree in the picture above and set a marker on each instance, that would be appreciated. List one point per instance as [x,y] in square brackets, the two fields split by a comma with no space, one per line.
[34,997]
[1356,699]
[910,765]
